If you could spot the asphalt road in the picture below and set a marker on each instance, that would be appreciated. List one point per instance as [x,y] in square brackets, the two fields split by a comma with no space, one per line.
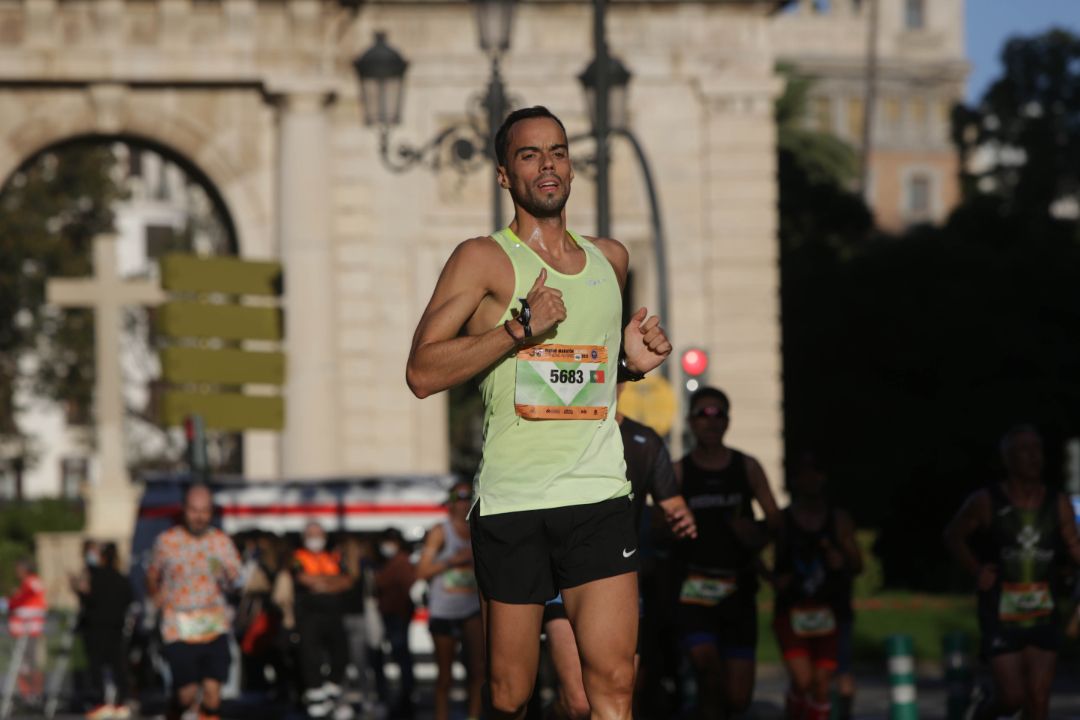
[872,700]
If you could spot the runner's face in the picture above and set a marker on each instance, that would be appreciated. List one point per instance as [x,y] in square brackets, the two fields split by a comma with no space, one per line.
[538,171]
[1024,457]
[808,482]
[198,511]
[709,422]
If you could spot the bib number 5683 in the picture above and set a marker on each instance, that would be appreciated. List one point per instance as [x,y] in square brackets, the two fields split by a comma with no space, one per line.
[567,376]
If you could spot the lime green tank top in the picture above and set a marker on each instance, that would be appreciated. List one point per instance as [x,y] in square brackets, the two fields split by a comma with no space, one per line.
[532,464]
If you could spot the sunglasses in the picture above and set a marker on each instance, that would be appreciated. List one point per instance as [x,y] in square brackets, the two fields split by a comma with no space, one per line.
[709,412]
[461,496]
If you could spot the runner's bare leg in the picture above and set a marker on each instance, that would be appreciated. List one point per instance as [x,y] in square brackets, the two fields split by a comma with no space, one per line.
[512,634]
[604,616]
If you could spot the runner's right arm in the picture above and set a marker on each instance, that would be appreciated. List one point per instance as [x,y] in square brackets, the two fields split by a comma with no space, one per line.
[974,513]
[474,276]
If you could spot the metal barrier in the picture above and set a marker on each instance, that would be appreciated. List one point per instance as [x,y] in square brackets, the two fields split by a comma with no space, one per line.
[22,655]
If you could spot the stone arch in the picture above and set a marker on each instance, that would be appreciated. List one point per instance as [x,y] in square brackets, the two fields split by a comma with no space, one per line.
[61,118]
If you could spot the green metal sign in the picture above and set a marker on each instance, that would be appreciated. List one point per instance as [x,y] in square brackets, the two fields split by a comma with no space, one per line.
[224,411]
[227,322]
[223,367]
[189,273]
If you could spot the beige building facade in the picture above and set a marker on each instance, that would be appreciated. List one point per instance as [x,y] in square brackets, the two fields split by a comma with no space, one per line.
[259,95]
[920,75]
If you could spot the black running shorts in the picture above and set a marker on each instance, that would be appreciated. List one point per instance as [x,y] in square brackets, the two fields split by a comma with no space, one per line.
[529,556]
[191,663]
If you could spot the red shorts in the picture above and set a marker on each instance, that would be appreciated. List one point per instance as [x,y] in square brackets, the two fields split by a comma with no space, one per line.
[808,633]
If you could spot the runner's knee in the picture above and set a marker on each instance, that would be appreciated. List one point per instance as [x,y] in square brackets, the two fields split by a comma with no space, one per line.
[510,695]
[575,704]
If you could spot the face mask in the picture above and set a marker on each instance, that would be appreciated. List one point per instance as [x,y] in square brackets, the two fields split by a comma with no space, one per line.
[92,559]
[388,550]
[315,544]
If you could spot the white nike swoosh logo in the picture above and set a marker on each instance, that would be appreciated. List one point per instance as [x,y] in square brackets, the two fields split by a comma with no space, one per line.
[628,554]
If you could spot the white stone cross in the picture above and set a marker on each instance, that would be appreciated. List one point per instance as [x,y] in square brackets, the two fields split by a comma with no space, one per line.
[111,502]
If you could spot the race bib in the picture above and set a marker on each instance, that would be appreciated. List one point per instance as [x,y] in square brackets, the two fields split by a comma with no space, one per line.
[706,591]
[458,580]
[562,382]
[812,622]
[1025,601]
[195,626]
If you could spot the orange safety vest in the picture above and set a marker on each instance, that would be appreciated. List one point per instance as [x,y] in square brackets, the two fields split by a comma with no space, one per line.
[321,563]
[28,607]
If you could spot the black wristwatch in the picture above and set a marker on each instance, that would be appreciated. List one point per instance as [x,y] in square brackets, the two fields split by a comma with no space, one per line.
[626,374]
[525,317]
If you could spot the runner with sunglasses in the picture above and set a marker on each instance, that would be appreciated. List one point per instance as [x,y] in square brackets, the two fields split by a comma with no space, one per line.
[446,562]
[535,312]
[717,596]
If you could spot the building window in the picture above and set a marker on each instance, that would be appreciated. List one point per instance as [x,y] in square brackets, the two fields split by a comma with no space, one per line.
[856,116]
[74,472]
[914,14]
[918,195]
[821,114]
[918,117]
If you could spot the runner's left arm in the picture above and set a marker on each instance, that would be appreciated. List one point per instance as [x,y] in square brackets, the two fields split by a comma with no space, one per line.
[664,489]
[759,485]
[849,548]
[1067,521]
[231,563]
[644,342]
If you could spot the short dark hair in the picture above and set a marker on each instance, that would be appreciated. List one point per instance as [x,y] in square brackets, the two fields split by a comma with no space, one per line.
[109,555]
[502,137]
[706,392]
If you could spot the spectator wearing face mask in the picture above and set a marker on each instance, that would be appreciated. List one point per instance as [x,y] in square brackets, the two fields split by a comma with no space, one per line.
[392,583]
[320,584]
[108,597]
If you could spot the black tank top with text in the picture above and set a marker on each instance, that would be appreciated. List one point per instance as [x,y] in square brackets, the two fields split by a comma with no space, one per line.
[716,497]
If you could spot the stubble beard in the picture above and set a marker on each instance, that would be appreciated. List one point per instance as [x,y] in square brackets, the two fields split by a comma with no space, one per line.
[542,208]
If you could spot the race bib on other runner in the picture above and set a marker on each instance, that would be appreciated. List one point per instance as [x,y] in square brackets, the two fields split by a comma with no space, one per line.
[1025,601]
[457,580]
[705,590]
[562,382]
[812,622]
[194,626]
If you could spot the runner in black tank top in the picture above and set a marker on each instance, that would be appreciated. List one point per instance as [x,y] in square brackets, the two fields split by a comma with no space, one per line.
[718,580]
[1028,525]
[816,557]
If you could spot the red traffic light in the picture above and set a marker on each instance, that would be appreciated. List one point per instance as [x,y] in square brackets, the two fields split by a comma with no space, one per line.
[695,361]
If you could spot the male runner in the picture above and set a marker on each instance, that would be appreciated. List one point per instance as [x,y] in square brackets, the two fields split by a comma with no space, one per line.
[553,510]
[1028,525]
[192,567]
[718,593]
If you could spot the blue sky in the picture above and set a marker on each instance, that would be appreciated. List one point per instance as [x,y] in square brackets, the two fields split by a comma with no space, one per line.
[991,22]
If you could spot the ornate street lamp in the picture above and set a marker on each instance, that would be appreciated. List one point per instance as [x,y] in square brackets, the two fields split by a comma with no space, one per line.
[466,145]
[618,78]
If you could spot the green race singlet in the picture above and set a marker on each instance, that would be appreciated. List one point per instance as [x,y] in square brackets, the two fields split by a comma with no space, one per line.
[550,436]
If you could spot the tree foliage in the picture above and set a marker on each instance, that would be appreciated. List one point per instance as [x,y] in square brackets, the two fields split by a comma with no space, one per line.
[1024,134]
[906,358]
[50,210]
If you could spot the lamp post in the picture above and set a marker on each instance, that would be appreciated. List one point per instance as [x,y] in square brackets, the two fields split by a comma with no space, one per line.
[613,118]
[466,145]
